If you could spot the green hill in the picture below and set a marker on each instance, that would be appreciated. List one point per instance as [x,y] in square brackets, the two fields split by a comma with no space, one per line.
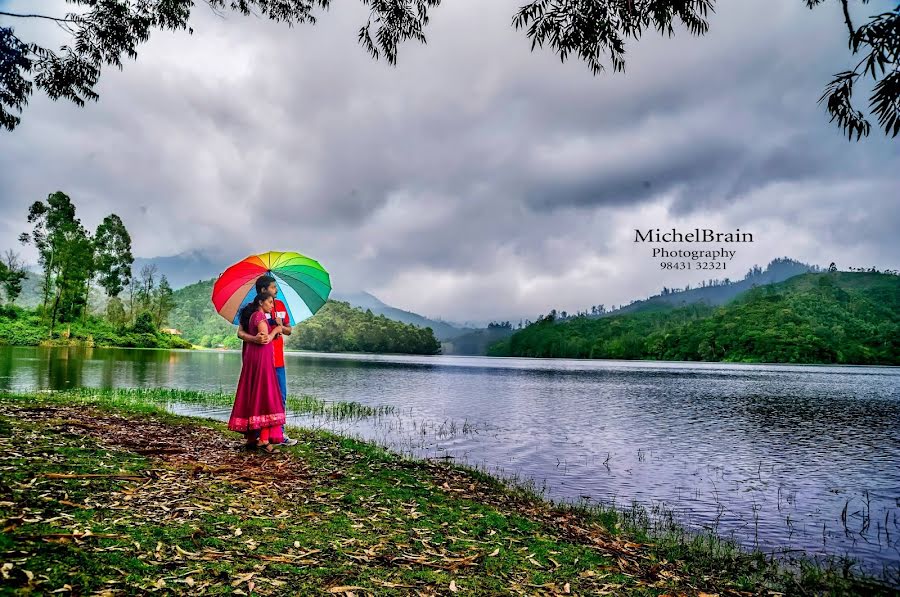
[197,320]
[838,317]
[337,327]
[340,327]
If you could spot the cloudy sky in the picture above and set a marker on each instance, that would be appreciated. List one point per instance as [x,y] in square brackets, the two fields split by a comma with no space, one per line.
[476,179]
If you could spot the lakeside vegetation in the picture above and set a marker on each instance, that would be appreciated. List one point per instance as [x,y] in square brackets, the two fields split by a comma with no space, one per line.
[24,327]
[104,492]
[833,317]
[79,297]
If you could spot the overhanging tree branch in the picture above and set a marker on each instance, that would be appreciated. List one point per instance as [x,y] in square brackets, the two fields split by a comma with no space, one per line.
[847,18]
[594,31]
[49,18]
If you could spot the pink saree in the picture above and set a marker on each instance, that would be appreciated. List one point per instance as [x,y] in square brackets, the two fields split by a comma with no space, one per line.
[257,403]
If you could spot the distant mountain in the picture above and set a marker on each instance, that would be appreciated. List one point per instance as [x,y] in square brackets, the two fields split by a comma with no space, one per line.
[32,294]
[183,269]
[443,331]
[717,292]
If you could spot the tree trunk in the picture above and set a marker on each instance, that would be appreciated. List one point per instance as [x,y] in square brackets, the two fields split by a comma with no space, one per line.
[48,276]
[53,318]
[87,300]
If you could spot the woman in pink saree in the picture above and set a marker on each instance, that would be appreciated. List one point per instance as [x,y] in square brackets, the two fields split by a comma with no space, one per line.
[257,403]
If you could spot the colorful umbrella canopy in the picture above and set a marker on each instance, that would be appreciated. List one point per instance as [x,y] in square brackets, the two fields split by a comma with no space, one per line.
[303,284]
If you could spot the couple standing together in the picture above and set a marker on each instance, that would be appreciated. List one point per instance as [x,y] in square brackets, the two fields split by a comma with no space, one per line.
[261,399]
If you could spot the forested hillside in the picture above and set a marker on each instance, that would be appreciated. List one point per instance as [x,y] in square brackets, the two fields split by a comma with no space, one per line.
[837,317]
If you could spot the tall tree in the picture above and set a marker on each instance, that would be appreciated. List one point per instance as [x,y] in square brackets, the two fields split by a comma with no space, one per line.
[113,258]
[165,302]
[146,286]
[595,31]
[133,292]
[48,220]
[64,251]
[13,274]
[75,264]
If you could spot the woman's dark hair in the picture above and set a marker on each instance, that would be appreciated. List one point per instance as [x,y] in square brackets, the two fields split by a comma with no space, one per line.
[249,309]
[263,283]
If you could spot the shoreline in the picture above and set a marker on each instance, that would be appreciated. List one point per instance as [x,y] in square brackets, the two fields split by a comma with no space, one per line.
[693,564]
[349,355]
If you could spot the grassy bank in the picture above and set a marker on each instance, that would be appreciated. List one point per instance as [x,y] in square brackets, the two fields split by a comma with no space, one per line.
[103,492]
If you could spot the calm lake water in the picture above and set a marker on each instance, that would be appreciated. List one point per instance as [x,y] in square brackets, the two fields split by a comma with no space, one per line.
[779,457]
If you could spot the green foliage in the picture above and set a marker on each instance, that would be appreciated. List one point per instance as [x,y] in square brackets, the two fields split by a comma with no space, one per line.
[338,327]
[196,318]
[113,255]
[836,317]
[164,302]
[595,32]
[70,257]
[115,311]
[23,327]
[64,253]
[144,324]
[12,275]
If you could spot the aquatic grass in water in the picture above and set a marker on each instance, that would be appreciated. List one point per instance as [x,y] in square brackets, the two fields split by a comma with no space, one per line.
[298,405]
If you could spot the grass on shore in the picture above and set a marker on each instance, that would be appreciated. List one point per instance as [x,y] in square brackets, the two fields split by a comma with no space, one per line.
[152,399]
[105,493]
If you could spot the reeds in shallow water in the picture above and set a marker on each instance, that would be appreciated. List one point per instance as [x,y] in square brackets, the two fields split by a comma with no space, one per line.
[297,405]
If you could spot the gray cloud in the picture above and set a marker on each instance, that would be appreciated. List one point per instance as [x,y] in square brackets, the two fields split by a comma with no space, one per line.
[476,179]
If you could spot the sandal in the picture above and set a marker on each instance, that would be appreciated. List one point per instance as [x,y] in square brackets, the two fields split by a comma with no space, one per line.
[267,447]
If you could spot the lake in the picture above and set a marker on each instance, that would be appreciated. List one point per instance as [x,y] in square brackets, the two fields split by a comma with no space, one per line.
[778,457]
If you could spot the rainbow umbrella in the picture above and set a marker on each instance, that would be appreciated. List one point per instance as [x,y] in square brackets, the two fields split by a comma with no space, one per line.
[303,284]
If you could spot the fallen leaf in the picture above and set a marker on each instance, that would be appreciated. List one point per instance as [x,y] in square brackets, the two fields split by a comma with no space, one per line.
[242,579]
[453,588]
[494,553]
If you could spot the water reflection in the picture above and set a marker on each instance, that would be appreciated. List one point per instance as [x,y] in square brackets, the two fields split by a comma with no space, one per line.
[777,456]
